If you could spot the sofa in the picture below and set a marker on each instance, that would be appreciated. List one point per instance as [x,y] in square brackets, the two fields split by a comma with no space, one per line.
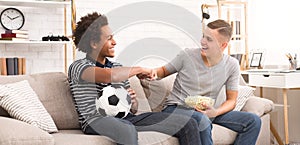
[53,91]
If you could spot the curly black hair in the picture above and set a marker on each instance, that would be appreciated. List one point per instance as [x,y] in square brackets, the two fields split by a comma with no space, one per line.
[87,30]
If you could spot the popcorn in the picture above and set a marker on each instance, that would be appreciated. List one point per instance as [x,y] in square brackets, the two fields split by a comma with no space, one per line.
[196,101]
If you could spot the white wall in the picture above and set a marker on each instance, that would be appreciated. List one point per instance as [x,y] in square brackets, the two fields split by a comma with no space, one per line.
[274,29]
[149,29]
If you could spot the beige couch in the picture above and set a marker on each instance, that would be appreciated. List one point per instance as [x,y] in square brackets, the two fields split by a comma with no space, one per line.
[53,91]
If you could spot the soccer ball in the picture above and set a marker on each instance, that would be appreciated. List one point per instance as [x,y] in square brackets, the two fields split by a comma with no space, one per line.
[113,101]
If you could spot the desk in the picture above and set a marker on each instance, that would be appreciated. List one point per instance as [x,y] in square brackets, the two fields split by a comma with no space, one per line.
[284,81]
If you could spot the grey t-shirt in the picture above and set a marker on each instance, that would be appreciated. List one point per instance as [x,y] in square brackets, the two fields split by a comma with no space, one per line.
[194,78]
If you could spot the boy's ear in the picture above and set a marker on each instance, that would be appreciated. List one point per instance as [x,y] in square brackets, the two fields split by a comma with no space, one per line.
[93,44]
[224,45]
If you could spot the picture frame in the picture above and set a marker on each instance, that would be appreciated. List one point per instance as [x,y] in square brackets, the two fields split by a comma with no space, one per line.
[256,59]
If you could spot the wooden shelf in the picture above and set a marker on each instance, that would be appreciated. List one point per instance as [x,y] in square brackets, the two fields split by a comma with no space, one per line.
[40,4]
[32,3]
[240,30]
[34,42]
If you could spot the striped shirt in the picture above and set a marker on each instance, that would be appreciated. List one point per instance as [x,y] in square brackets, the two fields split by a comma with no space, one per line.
[85,93]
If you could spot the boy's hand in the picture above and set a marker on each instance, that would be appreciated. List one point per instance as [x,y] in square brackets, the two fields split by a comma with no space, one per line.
[150,74]
[210,111]
[134,102]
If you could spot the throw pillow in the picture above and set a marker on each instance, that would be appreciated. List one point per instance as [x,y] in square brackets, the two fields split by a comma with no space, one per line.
[258,106]
[22,103]
[143,106]
[244,92]
[156,91]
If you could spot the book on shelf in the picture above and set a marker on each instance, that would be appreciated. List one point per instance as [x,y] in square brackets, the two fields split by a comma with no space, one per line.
[20,65]
[16,67]
[13,35]
[238,30]
[3,66]
[10,65]
[16,31]
[233,30]
[13,66]
[14,39]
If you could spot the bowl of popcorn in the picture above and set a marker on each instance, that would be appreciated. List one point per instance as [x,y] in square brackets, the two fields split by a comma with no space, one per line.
[198,100]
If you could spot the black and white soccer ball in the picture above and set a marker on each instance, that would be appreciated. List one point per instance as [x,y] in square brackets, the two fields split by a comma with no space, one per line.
[113,101]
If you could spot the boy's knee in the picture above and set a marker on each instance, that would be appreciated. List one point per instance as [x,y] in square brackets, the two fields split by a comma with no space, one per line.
[127,134]
[257,121]
[192,122]
[203,121]
[253,121]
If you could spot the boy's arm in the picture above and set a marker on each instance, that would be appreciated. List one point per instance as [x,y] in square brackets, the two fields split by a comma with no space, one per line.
[230,102]
[108,75]
[161,72]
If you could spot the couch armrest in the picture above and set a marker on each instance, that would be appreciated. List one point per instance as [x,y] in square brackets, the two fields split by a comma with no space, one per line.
[15,132]
[258,106]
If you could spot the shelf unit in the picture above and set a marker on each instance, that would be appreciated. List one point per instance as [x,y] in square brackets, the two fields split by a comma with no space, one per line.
[235,13]
[46,4]
[32,3]
[34,42]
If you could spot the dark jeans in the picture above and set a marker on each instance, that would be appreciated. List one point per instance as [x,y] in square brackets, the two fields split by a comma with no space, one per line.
[247,125]
[124,131]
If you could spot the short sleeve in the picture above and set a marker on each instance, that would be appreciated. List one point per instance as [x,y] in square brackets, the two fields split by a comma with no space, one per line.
[76,69]
[233,79]
[177,63]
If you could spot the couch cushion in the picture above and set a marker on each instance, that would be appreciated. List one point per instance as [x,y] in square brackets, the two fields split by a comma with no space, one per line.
[156,91]
[140,95]
[244,92]
[22,103]
[222,135]
[76,137]
[15,132]
[54,92]
[156,138]
[258,106]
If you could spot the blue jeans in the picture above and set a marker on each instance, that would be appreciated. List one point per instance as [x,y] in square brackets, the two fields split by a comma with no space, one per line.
[124,131]
[247,125]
